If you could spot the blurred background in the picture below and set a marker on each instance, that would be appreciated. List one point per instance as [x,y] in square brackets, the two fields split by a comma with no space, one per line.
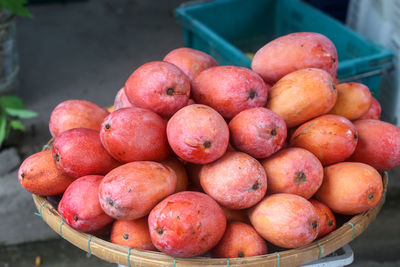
[86,49]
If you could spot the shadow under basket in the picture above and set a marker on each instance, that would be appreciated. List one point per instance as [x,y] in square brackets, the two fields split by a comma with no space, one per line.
[131,257]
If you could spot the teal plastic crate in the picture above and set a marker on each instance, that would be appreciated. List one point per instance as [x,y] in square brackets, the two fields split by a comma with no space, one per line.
[227,29]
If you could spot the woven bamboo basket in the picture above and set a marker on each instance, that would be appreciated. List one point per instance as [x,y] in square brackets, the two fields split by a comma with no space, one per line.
[131,257]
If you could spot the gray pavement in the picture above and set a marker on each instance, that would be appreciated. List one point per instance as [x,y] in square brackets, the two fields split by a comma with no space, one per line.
[86,50]
[52,253]
[18,222]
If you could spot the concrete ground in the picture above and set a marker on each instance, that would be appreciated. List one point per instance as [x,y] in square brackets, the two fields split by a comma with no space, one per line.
[86,50]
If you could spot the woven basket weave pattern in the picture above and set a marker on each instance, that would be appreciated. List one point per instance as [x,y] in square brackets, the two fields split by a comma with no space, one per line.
[131,257]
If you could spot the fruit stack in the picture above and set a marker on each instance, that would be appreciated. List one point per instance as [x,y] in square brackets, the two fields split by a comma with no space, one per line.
[200,158]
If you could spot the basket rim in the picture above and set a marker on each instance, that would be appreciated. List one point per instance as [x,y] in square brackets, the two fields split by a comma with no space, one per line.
[126,256]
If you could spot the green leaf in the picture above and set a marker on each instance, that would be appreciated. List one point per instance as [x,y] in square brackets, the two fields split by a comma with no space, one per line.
[8,131]
[21,113]
[17,125]
[16,7]
[11,102]
[2,127]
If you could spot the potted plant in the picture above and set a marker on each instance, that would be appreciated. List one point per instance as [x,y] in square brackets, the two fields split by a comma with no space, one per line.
[11,111]
[11,107]
[9,65]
